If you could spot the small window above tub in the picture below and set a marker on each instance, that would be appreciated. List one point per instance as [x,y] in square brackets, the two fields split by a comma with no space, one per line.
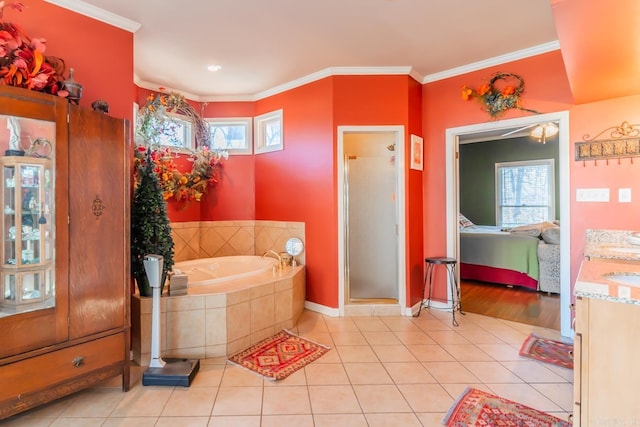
[268,130]
[231,134]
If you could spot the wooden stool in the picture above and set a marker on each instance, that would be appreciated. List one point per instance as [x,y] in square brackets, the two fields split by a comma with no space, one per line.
[450,265]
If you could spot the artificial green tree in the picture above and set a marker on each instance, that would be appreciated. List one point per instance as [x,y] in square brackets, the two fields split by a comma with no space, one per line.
[150,226]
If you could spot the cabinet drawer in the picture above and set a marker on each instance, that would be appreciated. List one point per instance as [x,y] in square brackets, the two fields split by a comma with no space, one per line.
[36,373]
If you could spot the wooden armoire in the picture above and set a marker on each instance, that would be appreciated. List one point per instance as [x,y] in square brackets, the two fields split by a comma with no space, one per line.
[64,264]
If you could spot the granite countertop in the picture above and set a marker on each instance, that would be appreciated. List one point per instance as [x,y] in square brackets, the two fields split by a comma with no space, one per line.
[611,244]
[593,282]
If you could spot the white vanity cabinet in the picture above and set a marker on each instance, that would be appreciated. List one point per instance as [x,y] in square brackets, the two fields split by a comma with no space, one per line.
[606,363]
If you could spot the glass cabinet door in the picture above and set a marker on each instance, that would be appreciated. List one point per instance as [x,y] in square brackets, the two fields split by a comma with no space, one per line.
[28,278]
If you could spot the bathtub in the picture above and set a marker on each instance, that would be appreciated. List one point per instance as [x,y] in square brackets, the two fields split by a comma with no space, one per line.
[232,302]
[208,271]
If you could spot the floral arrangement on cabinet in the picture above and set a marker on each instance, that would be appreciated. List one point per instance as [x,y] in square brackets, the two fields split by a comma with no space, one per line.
[22,59]
[154,122]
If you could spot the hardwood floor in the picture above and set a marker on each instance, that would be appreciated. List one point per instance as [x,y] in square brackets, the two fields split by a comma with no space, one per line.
[515,303]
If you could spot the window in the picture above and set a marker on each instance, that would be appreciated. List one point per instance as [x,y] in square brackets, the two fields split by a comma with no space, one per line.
[268,128]
[525,192]
[177,133]
[231,134]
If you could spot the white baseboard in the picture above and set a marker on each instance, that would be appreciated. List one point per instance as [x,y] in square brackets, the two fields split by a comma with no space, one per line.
[322,309]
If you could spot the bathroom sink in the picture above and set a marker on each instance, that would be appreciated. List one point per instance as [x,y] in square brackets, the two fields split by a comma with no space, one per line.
[629,279]
[626,250]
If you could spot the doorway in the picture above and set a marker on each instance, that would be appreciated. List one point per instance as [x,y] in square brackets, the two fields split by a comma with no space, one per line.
[370,216]
[493,130]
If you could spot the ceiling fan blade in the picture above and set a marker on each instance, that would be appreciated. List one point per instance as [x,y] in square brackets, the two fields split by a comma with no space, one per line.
[519,130]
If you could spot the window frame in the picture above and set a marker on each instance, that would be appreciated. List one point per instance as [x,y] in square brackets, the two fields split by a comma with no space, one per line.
[260,123]
[551,190]
[234,121]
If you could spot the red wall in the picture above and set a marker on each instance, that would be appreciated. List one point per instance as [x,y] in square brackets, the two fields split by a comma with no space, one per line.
[546,90]
[101,55]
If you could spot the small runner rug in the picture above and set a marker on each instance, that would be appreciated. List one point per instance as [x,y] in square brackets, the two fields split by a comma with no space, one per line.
[549,351]
[279,356]
[478,408]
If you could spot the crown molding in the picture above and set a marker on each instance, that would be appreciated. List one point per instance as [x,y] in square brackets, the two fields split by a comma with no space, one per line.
[97,13]
[496,60]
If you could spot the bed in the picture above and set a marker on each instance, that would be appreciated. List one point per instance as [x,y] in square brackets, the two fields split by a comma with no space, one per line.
[490,255]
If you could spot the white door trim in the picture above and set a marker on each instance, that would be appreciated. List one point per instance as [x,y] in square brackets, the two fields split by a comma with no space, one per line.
[453,197]
[400,201]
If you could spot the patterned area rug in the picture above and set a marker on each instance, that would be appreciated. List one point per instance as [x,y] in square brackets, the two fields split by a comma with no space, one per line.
[549,351]
[279,356]
[478,408]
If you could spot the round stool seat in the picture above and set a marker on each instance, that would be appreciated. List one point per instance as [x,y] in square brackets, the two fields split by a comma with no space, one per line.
[441,260]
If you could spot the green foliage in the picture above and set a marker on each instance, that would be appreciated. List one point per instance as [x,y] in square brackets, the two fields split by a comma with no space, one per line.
[150,226]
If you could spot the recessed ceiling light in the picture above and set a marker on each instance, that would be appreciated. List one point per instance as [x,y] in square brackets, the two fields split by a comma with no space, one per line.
[214,67]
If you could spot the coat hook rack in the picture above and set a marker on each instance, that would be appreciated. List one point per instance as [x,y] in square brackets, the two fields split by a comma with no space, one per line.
[620,142]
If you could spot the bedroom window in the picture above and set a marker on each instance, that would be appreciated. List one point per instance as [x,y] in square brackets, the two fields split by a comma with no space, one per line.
[525,192]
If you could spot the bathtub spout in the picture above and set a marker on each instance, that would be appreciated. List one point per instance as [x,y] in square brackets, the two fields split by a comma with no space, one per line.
[272,252]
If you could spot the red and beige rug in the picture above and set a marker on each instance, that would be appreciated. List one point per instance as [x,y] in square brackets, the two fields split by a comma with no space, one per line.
[478,408]
[547,350]
[279,356]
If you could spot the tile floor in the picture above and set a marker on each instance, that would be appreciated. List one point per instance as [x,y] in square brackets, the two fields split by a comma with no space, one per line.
[381,371]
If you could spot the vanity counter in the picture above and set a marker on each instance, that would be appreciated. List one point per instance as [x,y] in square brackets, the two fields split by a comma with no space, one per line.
[594,281]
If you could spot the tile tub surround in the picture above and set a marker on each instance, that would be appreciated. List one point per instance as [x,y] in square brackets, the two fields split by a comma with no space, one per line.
[220,319]
[206,239]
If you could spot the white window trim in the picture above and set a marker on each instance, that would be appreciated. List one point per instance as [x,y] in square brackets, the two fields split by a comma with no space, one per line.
[552,192]
[259,123]
[244,121]
[190,140]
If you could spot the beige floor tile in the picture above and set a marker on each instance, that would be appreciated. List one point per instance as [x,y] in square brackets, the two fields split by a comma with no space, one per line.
[393,353]
[286,400]
[320,337]
[448,337]
[510,335]
[408,373]
[450,372]
[235,376]
[381,338]
[183,421]
[190,402]
[432,324]
[326,374]
[393,420]
[340,420]
[381,399]
[19,421]
[341,324]
[431,419]
[93,402]
[348,338]
[367,373]
[356,353]
[479,336]
[467,353]
[144,422]
[238,401]
[235,421]
[78,422]
[331,356]
[370,324]
[492,372]
[533,372]
[208,375]
[430,353]
[287,420]
[53,409]
[426,397]
[559,393]
[143,401]
[414,337]
[400,324]
[526,395]
[333,399]
[456,389]
[565,373]
[501,352]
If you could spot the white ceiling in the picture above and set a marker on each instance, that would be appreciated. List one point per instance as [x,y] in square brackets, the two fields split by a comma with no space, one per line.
[263,45]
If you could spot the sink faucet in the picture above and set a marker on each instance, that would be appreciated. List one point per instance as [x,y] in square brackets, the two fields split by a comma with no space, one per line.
[272,252]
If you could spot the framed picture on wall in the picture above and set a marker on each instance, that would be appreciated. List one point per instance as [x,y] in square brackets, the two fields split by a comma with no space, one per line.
[416,152]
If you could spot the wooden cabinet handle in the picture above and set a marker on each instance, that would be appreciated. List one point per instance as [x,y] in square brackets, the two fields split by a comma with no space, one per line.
[77,361]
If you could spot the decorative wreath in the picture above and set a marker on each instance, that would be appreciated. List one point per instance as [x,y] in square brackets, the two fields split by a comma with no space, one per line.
[498,95]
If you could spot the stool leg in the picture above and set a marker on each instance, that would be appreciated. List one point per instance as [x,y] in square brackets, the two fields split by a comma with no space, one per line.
[458,291]
[430,269]
[424,286]
[452,285]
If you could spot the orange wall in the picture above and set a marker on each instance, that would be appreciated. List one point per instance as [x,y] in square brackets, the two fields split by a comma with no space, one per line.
[546,90]
[101,55]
